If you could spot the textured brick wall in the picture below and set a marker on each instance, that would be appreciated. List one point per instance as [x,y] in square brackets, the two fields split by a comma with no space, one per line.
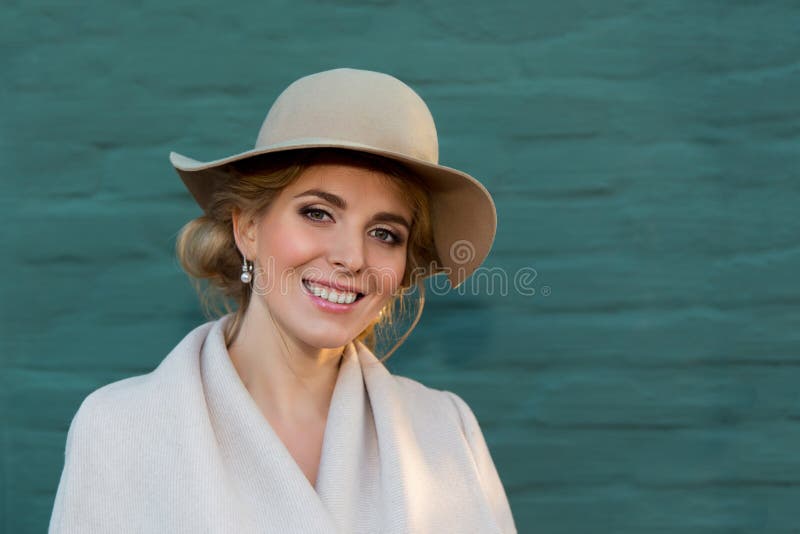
[644,161]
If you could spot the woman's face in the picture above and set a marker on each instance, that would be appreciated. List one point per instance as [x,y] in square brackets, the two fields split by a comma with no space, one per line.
[336,225]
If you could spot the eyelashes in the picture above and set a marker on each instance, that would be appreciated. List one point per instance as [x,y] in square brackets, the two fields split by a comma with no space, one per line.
[307,212]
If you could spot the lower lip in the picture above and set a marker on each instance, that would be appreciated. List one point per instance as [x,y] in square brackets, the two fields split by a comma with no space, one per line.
[328,305]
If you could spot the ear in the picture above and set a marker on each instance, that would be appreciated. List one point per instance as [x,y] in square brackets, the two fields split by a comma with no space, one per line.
[244,233]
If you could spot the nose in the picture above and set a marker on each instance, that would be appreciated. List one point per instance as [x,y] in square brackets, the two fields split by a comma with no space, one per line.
[347,253]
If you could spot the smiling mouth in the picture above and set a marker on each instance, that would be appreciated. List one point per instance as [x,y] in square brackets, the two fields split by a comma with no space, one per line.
[330,294]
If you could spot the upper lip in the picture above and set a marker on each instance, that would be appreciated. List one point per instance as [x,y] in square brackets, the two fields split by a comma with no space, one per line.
[333,285]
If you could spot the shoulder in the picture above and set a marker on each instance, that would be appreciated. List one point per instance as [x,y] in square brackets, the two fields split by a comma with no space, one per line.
[439,402]
[123,394]
[448,411]
[109,409]
[147,394]
[418,393]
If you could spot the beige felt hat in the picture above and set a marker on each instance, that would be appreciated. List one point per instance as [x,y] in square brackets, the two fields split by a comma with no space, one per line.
[376,113]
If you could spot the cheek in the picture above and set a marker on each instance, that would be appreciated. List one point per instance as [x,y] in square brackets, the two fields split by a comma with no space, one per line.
[289,245]
[389,268]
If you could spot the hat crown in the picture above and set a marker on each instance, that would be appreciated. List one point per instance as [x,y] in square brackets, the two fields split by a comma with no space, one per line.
[360,106]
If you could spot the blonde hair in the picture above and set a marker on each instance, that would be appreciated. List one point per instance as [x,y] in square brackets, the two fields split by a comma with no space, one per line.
[207,251]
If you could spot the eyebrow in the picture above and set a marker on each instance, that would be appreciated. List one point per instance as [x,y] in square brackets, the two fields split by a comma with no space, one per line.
[339,202]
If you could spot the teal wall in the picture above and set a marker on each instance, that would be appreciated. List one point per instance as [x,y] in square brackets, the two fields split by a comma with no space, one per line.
[644,161]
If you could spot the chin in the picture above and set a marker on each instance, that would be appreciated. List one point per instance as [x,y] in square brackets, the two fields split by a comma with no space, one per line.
[328,340]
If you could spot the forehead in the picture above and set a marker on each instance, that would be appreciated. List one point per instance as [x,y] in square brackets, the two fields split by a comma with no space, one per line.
[358,185]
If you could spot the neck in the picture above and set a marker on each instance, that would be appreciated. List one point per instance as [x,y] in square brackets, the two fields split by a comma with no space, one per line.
[293,381]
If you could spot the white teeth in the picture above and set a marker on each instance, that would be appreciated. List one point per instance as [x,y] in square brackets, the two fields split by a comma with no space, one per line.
[330,295]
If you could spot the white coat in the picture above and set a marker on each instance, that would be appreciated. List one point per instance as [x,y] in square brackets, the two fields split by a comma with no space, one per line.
[184,448]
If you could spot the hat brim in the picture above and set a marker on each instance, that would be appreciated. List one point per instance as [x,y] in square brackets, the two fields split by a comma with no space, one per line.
[463,212]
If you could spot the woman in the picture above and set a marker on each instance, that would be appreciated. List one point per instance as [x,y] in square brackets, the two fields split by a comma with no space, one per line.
[278,416]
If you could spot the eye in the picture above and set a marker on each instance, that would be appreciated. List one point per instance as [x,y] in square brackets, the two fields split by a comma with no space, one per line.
[387,236]
[314,214]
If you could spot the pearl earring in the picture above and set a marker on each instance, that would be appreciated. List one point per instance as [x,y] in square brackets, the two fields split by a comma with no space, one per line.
[247,272]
